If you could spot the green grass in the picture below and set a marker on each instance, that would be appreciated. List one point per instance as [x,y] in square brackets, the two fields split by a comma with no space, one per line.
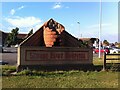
[97,61]
[69,79]
[60,79]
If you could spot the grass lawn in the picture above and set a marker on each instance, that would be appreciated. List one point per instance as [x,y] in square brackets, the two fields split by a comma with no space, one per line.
[75,79]
[60,79]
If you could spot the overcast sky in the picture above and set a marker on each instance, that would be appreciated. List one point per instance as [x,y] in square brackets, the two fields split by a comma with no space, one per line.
[28,15]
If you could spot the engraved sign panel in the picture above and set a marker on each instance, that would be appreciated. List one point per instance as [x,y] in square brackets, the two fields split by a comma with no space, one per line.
[55,55]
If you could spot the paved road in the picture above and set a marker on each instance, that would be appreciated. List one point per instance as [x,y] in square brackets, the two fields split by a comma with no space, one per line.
[11,58]
[9,55]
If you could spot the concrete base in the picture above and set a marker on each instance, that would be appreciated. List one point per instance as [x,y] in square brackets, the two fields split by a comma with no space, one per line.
[66,67]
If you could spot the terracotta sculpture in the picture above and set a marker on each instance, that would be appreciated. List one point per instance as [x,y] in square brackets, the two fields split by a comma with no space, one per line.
[51,33]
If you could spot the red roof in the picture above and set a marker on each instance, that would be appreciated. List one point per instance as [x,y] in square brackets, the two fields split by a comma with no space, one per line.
[21,35]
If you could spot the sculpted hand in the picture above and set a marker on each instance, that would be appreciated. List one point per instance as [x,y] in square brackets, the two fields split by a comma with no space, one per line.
[60,28]
[51,36]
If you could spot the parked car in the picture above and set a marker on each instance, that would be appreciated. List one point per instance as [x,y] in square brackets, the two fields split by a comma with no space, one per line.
[115,50]
[102,50]
[1,49]
[16,46]
[3,62]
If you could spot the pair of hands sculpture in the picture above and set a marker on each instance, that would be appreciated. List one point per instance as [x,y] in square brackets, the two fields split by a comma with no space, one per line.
[51,33]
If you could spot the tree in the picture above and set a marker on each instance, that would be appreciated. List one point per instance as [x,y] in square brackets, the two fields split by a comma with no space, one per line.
[12,37]
[117,44]
[30,32]
[106,43]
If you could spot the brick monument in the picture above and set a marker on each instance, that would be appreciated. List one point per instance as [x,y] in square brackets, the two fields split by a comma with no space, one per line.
[51,48]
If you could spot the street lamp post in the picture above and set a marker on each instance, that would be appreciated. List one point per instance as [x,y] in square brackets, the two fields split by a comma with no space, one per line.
[78,26]
[100,27]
